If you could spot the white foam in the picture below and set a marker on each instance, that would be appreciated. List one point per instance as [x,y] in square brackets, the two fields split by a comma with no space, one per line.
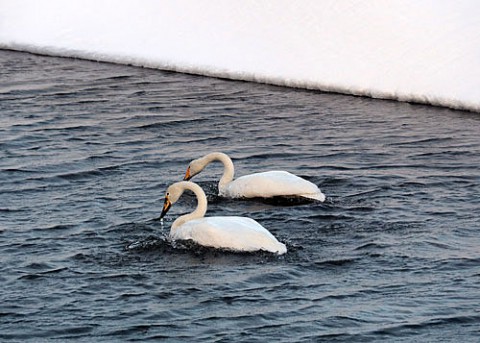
[409,50]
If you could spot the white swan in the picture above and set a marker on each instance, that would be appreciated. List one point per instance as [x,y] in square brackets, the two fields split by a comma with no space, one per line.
[263,185]
[232,233]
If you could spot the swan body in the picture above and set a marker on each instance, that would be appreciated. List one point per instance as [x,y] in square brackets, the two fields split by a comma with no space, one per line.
[232,233]
[263,185]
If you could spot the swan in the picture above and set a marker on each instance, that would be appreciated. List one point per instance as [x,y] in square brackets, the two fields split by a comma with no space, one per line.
[231,233]
[262,185]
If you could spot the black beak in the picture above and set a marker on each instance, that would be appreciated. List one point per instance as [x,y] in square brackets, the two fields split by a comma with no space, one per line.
[166,206]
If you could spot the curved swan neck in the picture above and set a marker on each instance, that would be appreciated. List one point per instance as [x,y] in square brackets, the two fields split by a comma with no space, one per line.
[201,204]
[228,169]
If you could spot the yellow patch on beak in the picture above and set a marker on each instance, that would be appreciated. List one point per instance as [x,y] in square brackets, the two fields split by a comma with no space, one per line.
[187,176]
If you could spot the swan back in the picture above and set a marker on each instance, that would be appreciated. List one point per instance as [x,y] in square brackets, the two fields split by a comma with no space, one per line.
[273,183]
[232,233]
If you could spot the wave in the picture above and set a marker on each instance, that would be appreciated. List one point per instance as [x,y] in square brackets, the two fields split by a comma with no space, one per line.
[409,51]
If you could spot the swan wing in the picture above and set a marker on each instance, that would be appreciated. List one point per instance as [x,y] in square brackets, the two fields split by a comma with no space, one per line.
[233,233]
[273,183]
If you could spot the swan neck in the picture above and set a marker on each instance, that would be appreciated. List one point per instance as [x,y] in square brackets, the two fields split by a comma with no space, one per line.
[199,211]
[228,169]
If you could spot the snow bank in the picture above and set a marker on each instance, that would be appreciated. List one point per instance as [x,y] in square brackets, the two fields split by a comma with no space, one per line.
[409,50]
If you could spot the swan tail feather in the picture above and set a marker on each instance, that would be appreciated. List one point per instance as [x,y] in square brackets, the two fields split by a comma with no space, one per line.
[315,196]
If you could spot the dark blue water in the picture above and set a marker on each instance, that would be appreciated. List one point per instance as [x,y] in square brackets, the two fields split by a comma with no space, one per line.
[88,149]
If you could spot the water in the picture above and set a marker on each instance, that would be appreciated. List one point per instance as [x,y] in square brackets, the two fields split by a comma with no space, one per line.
[88,150]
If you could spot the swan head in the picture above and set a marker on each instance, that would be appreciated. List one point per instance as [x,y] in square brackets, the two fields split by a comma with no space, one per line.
[195,167]
[171,197]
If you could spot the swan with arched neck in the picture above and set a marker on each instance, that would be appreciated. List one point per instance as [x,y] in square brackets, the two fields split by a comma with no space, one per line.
[231,232]
[259,185]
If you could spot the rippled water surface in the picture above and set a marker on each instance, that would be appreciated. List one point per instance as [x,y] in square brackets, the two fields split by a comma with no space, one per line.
[88,149]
